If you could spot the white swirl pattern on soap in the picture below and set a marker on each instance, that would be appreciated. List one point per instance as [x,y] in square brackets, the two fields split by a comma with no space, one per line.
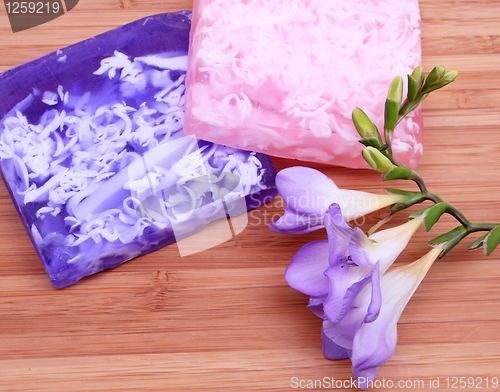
[62,163]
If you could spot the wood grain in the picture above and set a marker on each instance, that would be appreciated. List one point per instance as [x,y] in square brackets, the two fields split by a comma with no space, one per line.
[224,319]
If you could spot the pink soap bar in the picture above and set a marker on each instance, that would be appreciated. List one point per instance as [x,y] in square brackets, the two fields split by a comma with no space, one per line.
[282,77]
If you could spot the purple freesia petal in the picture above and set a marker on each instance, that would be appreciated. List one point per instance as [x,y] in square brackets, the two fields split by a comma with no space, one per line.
[332,350]
[365,378]
[359,308]
[339,234]
[346,277]
[305,189]
[375,342]
[316,306]
[306,270]
[360,248]
[308,193]
[366,302]
[352,259]
[376,298]
[294,222]
[344,288]
[342,333]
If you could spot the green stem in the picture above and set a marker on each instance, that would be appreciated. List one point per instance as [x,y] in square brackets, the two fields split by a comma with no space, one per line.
[408,106]
[417,178]
[458,215]
[450,208]
[388,140]
[482,226]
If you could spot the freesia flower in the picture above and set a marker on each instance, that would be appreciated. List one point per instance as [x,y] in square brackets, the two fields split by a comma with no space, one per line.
[334,271]
[308,193]
[371,344]
[350,289]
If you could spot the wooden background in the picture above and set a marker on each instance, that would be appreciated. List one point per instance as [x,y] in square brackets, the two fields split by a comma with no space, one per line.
[225,319]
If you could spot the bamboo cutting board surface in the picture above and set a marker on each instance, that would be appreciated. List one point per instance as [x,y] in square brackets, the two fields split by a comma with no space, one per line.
[225,319]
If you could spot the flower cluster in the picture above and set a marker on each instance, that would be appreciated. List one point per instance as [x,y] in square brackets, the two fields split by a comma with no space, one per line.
[348,277]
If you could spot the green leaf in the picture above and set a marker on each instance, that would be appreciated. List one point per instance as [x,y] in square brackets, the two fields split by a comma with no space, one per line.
[406,194]
[398,173]
[407,199]
[431,214]
[450,239]
[390,115]
[492,240]
[477,243]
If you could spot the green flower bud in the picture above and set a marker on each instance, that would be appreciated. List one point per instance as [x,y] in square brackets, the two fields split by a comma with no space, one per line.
[391,113]
[396,90]
[446,79]
[412,88]
[418,76]
[392,104]
[377,160]
[435,75]
[368,158]
[449,76]
[363,124]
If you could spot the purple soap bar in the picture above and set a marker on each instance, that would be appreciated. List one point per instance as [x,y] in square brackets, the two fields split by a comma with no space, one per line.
[94,156]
